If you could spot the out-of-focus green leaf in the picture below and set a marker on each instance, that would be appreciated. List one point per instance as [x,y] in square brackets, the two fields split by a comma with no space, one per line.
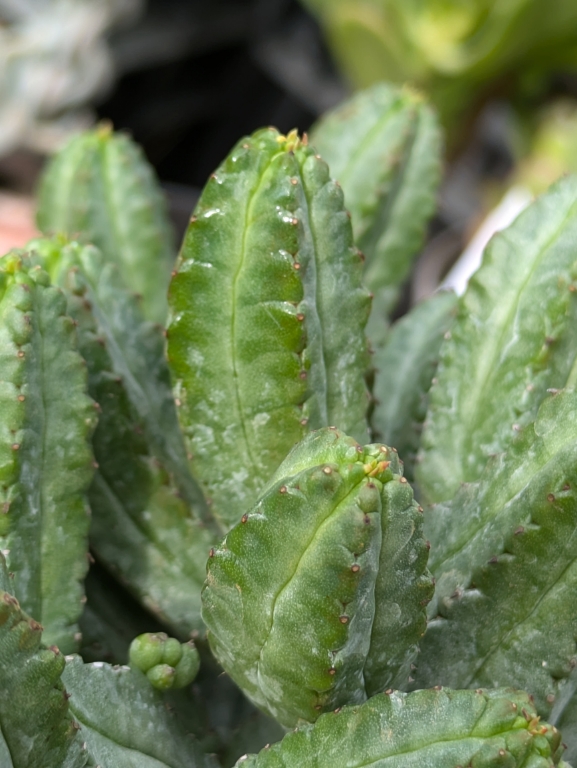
[404,370]
[513,338]
[384,147]
[100,188]
[452,49]
[504,553]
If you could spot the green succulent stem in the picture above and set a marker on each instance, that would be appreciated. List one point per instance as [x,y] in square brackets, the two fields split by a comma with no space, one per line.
[256,345]
[316,597]
[46,460]
[443,727]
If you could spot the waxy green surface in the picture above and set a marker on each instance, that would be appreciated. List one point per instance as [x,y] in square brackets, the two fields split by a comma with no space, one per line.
[46,461]
[404,369]
[564,716]
[147,510]
[134,346]
[426,729]
[514,337]
[266,335]
[316,598]
[384,147]
[36,729]
[124,722]
[505,559]
[100,188]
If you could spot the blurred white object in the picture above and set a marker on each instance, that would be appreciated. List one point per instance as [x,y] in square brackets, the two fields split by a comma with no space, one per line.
[515,201]
[53,60]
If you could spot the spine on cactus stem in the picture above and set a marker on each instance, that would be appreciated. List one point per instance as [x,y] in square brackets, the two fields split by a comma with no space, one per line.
[46,460]
[316,598]
[267,315]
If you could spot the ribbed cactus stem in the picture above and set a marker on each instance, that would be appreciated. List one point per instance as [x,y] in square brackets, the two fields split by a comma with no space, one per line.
[316,598]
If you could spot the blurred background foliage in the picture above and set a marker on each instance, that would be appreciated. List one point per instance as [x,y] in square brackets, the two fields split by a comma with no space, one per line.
[187,77]
[461,52]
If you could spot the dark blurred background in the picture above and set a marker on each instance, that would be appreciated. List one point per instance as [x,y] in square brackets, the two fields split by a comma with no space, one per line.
[196,76]
[190,77]
[187,79]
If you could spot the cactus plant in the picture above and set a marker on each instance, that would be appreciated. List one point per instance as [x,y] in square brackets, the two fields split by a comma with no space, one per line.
[444,727]
[47,462]
[81,195]
[255,345]
[357,550]
[243,461]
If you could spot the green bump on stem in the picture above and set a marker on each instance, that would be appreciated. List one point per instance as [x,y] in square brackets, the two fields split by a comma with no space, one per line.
[146,651]
[164,660]
[171,652]
[161,676]
[187,668]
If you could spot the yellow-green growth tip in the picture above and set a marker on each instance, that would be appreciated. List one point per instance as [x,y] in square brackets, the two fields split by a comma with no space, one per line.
[292,140]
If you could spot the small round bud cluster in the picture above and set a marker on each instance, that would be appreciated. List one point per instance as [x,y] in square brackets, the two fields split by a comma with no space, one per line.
[164,660]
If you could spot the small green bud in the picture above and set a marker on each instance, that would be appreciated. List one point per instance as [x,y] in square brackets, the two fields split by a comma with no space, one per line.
[164,660]
[171,651]
[146,651]
[161,676]
[187,668]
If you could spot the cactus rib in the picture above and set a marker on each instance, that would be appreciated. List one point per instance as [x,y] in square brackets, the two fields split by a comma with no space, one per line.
[46,461]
